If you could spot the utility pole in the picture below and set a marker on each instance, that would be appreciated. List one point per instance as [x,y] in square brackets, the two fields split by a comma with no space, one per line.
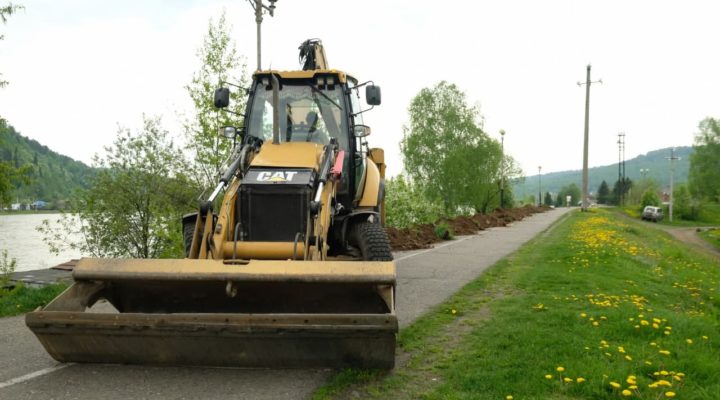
[502,168]
[672,159]
[539,185]
[587,84]
[258,6]
[621,168]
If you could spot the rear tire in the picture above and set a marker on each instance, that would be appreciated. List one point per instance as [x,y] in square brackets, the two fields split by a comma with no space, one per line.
[372,241]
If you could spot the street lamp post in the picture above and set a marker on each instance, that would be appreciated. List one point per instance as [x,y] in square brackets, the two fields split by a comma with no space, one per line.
[539,185]
[258,6]
[502,168]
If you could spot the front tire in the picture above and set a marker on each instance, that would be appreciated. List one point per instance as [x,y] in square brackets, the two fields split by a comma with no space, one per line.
[372,241]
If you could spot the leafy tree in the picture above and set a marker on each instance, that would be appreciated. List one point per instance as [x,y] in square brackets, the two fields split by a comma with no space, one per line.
[603,196]
[135,204]
[5,12]
[220,63]
[684,205]
[571,190]
[620,190]
[649,198]
[446,151]
[406,205]
[704,178]
[548,201]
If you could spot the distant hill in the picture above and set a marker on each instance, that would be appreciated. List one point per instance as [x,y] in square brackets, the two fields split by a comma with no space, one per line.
[55,176]
[654,161]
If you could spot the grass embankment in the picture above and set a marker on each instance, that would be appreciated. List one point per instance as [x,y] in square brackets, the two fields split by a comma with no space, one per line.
[711,236]
[709,215]
[599,308]
[22,299]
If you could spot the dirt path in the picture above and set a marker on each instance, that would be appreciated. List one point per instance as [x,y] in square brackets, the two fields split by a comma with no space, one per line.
[690,236]
[425,278]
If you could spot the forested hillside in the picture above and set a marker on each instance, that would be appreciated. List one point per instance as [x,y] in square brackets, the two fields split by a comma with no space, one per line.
[653,165]
[54,177]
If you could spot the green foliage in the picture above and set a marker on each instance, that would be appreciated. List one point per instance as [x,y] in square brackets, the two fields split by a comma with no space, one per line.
[571,190]
[22,299]
[579,296]
[220,63]
[7,268]
[405,204]
[446,151]
[548,201]
[620,190]
[684,205]
[443,231]
[41,174]
[603,193]
[649,198]
[134,206]
[704,176]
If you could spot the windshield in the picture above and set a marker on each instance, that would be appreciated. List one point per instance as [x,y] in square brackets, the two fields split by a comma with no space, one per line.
[307,114]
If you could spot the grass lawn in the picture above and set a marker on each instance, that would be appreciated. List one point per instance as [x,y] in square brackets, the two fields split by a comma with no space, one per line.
[598,308]
[22,299]
[712,236]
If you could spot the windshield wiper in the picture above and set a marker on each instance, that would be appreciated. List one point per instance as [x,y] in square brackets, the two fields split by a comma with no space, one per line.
[325,96]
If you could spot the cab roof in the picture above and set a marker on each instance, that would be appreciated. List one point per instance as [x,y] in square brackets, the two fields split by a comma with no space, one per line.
[310,74]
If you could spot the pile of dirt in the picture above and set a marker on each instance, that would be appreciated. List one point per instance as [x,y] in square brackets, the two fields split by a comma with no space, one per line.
[413,238]
[423,236]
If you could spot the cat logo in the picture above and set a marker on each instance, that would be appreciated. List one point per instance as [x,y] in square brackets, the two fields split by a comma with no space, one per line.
[277,176]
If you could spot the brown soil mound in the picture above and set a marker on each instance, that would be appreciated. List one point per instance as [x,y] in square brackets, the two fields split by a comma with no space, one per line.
[416,237]
[423,236]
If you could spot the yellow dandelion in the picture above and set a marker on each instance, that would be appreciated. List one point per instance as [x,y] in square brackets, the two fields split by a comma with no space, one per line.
[580,380]
[453,311]
[677,378]
[615,385]
[664,373]
[582,314]
[567,380]
[508,397]
[644,323]
[548,376]
[665,352]
[705,337]
[560,369]
[663,382]
[628,358]
[669,394]
[595,323]
[626,393]
[689,341]
[631,379]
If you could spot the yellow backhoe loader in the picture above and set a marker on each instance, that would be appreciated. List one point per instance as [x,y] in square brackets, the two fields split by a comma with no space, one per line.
[293,270]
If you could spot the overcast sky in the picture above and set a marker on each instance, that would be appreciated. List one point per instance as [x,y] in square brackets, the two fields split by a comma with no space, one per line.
[79,68]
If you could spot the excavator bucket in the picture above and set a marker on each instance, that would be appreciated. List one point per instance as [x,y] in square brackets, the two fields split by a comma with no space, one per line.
[280,314]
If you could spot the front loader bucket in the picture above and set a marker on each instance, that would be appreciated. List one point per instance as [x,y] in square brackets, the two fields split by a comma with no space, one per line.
[279,314]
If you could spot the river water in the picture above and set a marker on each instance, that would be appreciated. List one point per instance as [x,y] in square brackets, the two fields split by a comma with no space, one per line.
[24,243]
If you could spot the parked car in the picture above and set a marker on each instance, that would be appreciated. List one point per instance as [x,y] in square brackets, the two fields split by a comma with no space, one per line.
[652,213]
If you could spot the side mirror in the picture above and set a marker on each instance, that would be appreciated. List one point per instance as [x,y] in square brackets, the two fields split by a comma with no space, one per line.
[372,95]
[222,97]
[361,130]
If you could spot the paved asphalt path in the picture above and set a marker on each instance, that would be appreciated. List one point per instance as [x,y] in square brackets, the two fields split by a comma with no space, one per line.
[425,278]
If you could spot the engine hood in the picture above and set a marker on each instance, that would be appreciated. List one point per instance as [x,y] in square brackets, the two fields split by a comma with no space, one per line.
[289,155]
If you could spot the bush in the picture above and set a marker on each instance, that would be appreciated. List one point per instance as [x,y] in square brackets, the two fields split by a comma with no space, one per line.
[443,231]
[7,268]
[405,204]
